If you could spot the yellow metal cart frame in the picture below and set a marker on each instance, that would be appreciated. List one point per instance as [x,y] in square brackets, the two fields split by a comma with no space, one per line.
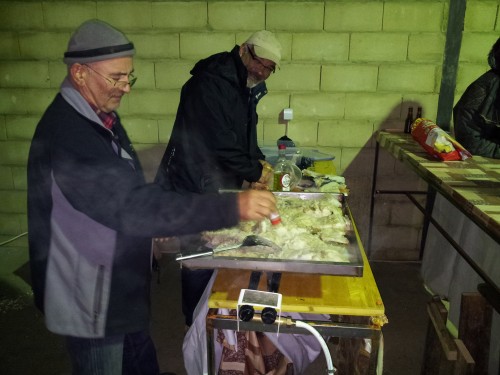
[354,304]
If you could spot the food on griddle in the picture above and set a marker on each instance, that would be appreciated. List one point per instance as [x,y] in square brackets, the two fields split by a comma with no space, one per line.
[311,229]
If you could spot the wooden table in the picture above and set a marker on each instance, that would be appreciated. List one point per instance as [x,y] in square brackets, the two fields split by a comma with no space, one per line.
[461,232]
[341,297]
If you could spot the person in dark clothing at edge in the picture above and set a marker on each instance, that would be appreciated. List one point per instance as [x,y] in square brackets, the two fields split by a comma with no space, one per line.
[477,114]
[92,216]
[213,144]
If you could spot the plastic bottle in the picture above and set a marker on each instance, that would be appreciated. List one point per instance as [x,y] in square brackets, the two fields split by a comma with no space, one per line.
[283,171]
[409,120]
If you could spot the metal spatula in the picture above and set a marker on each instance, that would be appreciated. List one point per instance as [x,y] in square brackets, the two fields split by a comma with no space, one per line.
[250,240]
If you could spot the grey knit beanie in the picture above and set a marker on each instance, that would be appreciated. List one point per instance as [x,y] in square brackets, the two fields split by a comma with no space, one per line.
[96,40]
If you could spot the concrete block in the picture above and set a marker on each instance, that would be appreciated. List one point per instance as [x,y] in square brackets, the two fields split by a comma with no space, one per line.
[43,45]
[353,16]
[172,74]
[381,211]
[406,214]
[150,156]
[21,127]
[371,106]
[57,73]
[165,126]
[9,45]
[320,46]
[395,243]
[303,132]
[295,16]
[13,201]
[144,70]
[237,15]
[345,78]
[25,101]
[20,15]
[378,47]
[386,167]
[14,153]
[356,161]
[126,15]
[413,16]
[67,14]
[297,77]
[3,128]
[426,47]
[468,73]
[184,15]
[9,225]
[272,104]
[142,130]
[24,74]
[475,47]
[318,105]
[20,178]
[153,102]
[6,178]
[196,46]
[155,45]
[480,16]
[345,133]
[407,78]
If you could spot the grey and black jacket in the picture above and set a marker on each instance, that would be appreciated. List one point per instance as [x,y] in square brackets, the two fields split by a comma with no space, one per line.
[91,216]
[477,116]
[213,144]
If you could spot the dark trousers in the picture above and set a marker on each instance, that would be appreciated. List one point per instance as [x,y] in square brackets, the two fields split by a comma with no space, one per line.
[194,283]
[129,354]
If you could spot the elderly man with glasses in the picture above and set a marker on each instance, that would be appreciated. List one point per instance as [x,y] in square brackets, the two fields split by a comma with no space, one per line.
[213,144]
[91,214]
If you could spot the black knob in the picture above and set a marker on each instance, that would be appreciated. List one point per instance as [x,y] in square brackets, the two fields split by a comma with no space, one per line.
[246,313]
[268,315]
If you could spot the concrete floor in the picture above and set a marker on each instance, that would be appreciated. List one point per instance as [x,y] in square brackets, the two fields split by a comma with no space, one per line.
[26,347]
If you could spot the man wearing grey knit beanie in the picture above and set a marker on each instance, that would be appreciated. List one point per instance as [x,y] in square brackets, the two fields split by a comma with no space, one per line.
[92,216]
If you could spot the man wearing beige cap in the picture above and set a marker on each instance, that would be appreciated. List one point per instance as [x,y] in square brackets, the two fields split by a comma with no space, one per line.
[91,215]
[213,144]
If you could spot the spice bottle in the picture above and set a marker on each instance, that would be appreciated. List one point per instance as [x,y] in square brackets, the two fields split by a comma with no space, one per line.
[283,171]
[275,218]
[409,120]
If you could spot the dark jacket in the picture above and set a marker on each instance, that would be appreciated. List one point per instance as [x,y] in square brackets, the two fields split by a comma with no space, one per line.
[213,144]
[91,216]
[477,116]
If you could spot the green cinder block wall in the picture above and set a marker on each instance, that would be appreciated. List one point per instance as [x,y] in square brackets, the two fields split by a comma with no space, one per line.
[349,68]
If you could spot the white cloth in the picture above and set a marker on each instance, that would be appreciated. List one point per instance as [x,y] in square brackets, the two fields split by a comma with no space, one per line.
[302,350]
[447,274]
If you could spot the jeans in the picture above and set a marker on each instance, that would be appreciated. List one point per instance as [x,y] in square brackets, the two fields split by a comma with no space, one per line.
[129,354]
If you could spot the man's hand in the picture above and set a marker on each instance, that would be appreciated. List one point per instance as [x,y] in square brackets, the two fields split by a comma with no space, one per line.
[256,205]
[265,177]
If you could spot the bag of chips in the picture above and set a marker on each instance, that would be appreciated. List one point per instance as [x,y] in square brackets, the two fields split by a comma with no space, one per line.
[437,142]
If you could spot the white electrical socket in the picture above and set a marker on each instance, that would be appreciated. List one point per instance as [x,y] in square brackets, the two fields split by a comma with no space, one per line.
[288,114]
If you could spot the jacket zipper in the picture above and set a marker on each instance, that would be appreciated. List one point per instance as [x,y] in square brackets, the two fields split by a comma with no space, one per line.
[98,297]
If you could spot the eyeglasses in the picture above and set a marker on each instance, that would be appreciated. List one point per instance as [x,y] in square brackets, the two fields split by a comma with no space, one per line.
[272,69]
[116,82]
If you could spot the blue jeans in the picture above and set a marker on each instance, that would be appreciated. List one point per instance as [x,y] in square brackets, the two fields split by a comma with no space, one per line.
[129,354]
